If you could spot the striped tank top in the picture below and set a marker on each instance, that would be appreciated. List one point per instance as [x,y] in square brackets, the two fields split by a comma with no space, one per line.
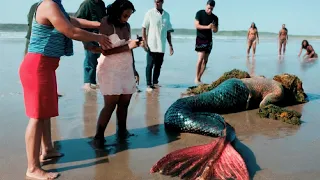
[47,40]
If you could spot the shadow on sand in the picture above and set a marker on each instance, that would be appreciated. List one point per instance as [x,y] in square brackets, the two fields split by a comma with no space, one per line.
[76,150]
[248,157]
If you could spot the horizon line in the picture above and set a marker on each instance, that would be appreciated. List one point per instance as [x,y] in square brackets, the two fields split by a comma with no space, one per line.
[187,29]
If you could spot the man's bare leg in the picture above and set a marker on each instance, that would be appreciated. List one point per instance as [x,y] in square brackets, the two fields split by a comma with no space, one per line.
[199,66]
[47,149]
[204,64]
[33,142]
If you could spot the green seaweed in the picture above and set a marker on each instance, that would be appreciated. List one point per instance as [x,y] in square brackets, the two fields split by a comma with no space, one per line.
[278,113]
[235,73]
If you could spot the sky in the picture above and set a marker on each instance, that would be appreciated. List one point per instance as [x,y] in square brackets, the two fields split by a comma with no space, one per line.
[299,16]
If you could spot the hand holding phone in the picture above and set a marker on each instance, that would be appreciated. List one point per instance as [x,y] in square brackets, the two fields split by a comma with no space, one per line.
[214,23]
[139,38]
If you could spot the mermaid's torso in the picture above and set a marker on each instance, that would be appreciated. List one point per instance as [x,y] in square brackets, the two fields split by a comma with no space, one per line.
[260,87]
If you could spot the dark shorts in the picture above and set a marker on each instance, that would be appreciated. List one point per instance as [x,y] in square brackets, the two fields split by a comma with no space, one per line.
[203,45]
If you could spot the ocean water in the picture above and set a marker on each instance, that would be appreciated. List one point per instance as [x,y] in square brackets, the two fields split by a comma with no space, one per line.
[178,71]
[228,52]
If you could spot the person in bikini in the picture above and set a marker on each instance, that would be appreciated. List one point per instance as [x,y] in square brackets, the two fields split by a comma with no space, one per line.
[310,54]
[252,38]
[283,39]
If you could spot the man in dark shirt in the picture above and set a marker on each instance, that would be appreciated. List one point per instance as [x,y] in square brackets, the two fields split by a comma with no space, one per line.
[92,10]
[30,18]
[206,23]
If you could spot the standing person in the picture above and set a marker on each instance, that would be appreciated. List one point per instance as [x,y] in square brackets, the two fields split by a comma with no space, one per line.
[51,37]
[310,54]
[206,23]
[30,16]
[92,10]
[30,19]
[283,39]
[252,39]
[116,72]
[156,29]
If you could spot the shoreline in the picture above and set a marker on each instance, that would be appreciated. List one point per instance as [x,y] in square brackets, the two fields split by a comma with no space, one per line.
[4,27]
[21,35]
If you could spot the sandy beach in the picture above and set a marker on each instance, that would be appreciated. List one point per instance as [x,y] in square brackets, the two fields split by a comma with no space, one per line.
[271,149]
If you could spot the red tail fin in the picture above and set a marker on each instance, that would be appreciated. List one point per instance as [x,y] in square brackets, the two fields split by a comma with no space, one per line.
[216,160]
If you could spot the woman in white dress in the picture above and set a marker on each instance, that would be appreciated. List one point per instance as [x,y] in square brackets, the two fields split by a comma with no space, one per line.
[116,72]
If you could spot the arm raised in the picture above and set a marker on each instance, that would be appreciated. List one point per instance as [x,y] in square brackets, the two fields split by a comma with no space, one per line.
[49,10]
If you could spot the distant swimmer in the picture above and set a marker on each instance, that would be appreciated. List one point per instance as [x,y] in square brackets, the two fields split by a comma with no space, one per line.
[310,54]
[283,39]
[252,38]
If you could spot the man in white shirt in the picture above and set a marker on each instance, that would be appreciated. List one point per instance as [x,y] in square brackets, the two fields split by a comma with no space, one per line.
[156,29]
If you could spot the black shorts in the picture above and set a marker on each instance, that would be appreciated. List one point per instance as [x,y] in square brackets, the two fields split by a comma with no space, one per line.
[203,45]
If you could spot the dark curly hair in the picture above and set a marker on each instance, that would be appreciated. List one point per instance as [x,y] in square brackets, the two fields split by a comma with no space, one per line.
[254,26]
[294,92]
[304,46]
[115,10]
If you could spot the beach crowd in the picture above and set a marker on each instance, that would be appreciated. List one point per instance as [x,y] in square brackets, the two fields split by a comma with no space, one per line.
[108,65]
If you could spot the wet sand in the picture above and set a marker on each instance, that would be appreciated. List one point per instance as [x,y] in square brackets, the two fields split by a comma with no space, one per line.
[272,149]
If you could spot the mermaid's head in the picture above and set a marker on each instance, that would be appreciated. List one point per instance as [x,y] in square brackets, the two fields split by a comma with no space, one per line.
[292,85]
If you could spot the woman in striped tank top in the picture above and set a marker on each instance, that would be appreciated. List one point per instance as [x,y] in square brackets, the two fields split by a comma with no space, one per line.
[51,38]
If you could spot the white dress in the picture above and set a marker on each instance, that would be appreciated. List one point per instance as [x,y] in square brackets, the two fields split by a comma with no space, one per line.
[115,72]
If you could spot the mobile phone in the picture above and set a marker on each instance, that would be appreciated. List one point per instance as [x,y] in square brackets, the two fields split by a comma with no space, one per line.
[139,38]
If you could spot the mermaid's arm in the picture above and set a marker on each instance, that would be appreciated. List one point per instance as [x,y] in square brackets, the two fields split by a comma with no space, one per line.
[268,99]
[271,98]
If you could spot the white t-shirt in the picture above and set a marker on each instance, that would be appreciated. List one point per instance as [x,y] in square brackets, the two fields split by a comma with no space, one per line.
[157,25]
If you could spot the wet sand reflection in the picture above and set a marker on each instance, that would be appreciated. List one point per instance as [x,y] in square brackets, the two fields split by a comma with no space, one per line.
[251,65]
[152,112]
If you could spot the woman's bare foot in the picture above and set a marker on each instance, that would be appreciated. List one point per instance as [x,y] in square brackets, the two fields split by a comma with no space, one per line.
[39,174]
[50,154]
[124,134]
[98,143]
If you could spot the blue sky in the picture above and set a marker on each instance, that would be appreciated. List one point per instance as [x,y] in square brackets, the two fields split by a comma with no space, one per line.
[300,17]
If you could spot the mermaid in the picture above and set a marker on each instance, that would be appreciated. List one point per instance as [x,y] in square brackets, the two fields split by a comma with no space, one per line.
[199,114]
